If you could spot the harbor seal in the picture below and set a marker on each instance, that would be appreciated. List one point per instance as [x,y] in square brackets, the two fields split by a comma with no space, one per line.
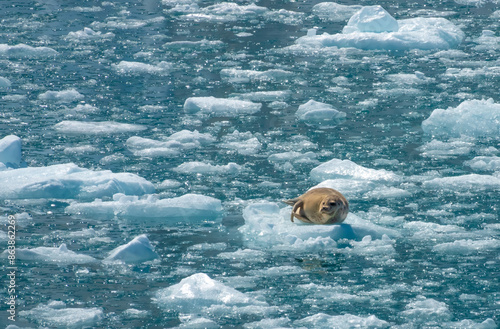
[320,206]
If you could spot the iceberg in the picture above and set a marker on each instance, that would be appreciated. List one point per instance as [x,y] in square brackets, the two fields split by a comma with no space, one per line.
[199,294]
[266,224]
[220,106]
[10,151]
[68,181]
[334,12]
[138,250]
[56,315]
[59,255]
[96,128]
[373,28]
[319,115]
[474,118]
[346,169]
[189,207]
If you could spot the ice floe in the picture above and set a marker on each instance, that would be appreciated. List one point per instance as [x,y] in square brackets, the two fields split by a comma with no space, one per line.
[56,315]
[10,151]
[221,12]
[483,163]
[439,149]
[373,28]
[346,169]
[423,310]
[201,295]
[220,106]
[334,12]
[68,181]
[346,321]
[466,247]
[88,34]
[64,96]
[463,183]
[96,128]
[319,114]
[186,208]
[136,68]
[475,118]
[5,83]
[266,224]
[58,255]
[244,143]
[138,250]
[246,76]
[198,167]
[25,51]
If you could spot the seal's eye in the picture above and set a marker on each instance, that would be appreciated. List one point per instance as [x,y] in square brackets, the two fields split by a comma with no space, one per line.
[333,203]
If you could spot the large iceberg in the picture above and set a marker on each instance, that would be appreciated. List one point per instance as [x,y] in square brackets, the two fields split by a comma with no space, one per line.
[266,224]
[475,118]
[189,207]
[220,106]
[68,181]
[373,28]
[136,251]
[10,151]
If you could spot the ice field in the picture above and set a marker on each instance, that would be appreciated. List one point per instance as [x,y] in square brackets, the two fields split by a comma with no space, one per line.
[146,148]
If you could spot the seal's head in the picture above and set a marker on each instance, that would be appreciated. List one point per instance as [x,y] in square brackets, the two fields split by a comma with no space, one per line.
[334,209]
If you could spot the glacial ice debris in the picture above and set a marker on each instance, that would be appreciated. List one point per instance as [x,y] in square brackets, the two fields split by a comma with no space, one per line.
[10,151]
[373,28]
[138,250]
[220,106]
[59,255]
[56,315]
[71,127]
[319,114]
[347,169]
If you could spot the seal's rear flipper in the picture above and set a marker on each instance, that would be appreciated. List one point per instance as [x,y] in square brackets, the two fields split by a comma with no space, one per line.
[291,202]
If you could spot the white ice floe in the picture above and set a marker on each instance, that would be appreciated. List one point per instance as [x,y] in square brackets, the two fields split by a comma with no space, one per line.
[138,250]
[466,247]
[68,181]
[334,12]
[63,96]
[475,118]
[439,149]
[58,255]
[220,106]
[477,3]
[10,151]
[346,321]
[221,12]
[265,96]
[246,76]
[172,145]
[463,183]
[137,68]
[423,310]
[96,128]
[198,167]
[199,294]
[472,74]
[373,28]
[25,51]
[266,224]
[80,150]
[483,163]
[243,143]
[319,114]
[346,169]
[186,208]
[88,34]
[288,161]
[56,315]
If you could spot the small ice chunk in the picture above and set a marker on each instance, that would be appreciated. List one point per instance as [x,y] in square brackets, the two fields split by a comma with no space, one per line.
[243,143]
[424,310]
[220,106]
[319,114]
[475,118]
[64,96]
[138,250]
[245,76]
[466,247]
[4,83]
[346,321]
[199,292]
[68,181]
[60,255]
[371,19]
[346,169]
[189,207]
[484,163]
[84,149]
[439,149]
[96,128]
[25,51]
[334,12]
[137,68]
[88,34]
[10,151]
[464,183]
[56,315]
[197,167]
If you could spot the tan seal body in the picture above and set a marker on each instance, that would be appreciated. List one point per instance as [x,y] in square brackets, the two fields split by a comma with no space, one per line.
[320,206]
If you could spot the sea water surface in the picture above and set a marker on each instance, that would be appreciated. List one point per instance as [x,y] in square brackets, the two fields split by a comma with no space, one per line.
[172,130]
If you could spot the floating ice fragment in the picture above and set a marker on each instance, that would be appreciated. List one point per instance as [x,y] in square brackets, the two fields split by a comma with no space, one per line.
[10,151]
[60,255]
[466,247]
[223,12]
[334,12]
[346,169]
[88,34]
[319,114]
[64,96]
[137,68]
[245,76]
[464,183]
[138,250]
[439,149]
[68,181]
[197,167]
[346,321]
[220,106]
[189,207]
[56,315]
[243,143]
[424,310]
[484,163]
[25,51]
[197,293]
[371,19]
[4,83]
[96,128]
[475,118]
